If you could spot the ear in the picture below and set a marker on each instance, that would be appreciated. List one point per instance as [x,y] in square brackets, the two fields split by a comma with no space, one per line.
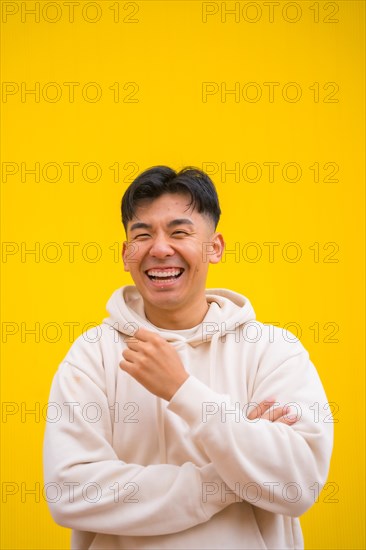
[125,255]
[217,248]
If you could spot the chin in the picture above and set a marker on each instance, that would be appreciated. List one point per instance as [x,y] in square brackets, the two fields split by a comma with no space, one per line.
[163,299]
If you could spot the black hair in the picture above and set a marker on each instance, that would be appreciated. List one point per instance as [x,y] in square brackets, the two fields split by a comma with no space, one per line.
[159,180]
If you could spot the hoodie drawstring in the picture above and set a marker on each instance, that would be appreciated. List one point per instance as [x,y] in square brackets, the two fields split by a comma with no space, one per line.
[161,431]
[212,360]
[160,417]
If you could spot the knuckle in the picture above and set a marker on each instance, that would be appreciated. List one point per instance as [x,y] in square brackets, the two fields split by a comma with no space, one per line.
[143,363]
[148,348]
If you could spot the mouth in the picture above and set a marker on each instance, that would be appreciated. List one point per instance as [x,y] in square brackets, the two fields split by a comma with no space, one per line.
[164,275]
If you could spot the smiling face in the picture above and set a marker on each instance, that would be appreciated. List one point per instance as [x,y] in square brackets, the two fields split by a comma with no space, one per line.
[169,247]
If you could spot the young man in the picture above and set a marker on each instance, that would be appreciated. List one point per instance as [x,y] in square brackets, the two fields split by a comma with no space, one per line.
[176,429]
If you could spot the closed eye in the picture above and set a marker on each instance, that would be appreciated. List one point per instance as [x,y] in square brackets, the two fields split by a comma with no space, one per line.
[141,235]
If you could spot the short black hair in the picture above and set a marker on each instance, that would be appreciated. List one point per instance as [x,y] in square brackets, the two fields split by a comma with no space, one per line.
[160,180]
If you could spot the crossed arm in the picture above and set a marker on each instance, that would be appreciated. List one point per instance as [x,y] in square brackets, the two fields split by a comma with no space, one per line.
[269,450]
[276,449]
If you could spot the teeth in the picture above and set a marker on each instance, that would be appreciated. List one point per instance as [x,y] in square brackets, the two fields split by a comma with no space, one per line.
[166,273]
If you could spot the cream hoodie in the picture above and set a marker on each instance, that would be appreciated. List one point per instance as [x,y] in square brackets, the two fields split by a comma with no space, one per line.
[125,469]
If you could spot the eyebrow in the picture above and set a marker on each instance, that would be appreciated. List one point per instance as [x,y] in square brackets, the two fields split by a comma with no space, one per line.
[140,225]
[172,223]
[180,221]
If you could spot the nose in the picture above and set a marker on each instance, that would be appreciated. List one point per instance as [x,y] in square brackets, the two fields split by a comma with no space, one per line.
[161,248]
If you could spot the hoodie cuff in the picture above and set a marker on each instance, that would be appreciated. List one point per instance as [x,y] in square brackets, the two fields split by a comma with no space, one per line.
[195,402]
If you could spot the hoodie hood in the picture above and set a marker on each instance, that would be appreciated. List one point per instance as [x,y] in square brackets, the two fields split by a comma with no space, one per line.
[228,310]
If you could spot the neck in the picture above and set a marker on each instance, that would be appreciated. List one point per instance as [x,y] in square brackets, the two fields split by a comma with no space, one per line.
[181,319]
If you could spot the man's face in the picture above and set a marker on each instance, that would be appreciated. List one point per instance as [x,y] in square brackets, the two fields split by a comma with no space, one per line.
[168,251]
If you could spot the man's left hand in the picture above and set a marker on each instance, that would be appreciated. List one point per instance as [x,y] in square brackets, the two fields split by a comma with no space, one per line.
[154,363]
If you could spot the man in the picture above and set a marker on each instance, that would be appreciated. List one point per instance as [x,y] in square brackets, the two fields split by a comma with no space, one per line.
[175,428]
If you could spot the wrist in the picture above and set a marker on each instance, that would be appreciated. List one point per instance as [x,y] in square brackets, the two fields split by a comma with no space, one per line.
[179,382]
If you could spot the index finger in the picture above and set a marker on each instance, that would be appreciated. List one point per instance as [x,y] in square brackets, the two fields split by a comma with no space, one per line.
[143,334]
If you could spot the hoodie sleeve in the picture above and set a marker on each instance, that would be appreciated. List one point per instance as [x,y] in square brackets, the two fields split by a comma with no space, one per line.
[274,466]
[88,488]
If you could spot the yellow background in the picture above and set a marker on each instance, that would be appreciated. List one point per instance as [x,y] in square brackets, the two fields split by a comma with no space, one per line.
[169,51]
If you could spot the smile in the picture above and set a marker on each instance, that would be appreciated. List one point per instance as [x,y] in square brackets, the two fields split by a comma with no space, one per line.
[164,275]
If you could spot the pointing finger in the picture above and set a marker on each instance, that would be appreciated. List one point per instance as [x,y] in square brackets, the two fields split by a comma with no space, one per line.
[144,335]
